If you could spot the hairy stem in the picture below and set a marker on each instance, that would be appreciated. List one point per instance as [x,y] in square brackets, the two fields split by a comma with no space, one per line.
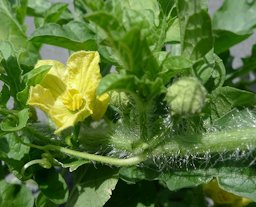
[241,139]
[92,157]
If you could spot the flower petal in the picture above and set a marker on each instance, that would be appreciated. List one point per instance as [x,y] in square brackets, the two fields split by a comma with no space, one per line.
[100,106]
[41,97]
[58,69]
[84,72]
[64,118]
[56,77]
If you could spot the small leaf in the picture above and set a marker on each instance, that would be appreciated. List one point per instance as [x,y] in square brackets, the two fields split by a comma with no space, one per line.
[74,165]
[210,70]
[15,123]
[32,78]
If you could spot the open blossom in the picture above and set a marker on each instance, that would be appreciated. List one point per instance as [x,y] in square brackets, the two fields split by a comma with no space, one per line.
[68,93]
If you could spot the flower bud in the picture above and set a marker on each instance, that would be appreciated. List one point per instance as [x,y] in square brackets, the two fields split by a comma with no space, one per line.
[119,99]
[186,96]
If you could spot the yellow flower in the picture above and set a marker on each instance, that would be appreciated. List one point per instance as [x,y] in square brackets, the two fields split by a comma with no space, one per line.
[68,93]
[221,197]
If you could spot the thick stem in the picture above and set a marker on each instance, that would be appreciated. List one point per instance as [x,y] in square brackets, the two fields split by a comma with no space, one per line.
[215,142]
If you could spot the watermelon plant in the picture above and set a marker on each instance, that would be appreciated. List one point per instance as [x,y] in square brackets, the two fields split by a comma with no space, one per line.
[148,109]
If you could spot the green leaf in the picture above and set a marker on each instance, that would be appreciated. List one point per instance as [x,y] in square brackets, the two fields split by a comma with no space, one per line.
[210,70]
[74,165]
[134,174]
[4,95]
[196,31]
[11,148]
[117,82]
[236,119]
[32,78]
[86,6]
[52,185]
[106,21]
[15,195]
[21,10]
[13,72]
[238,17]
[13,153]
[136,55]
[143,194]
[240,76]
[38,7]
[74,36]
[35,76]
[11,31]
[226,98]
[95,187]
[129,44]
[184,179]
[16,121]
[55,12]
[233,23]
[47,12]
[239,181]
[172,66]
[225,39]
[42,201]
[173,32]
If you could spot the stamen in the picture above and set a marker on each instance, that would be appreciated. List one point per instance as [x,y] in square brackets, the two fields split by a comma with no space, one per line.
[72,99]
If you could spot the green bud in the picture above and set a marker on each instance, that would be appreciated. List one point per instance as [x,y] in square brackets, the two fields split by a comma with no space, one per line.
[186,96]
[119,99]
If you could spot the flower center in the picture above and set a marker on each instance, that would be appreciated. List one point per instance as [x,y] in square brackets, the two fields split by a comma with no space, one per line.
[72,99]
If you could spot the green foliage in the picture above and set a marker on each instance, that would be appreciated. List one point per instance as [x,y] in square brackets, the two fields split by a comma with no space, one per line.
[94,187]
[12,195]
[161,139]
[52,185]
[232,29]
[73,35]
